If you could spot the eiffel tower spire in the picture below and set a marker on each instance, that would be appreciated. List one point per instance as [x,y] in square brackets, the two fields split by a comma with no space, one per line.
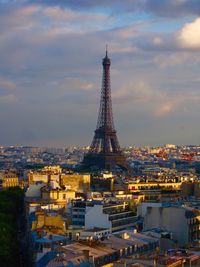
[105,151]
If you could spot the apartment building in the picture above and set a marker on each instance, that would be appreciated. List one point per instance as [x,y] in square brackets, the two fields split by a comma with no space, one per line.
[112,216]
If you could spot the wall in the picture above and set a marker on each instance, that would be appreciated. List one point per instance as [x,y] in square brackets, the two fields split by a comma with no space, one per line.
[78,182]
[142,207]
[34,190]
[171,219]
[95,217]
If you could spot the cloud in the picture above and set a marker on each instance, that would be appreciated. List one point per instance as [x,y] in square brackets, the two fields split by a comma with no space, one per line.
[157,40]
[128,31]
[189,36]
[76,84]
[155,102]
[174,59]
[144,98]
[8,99]
[7,84]
[119,48]
[50,22]
[170,8]
[164,109]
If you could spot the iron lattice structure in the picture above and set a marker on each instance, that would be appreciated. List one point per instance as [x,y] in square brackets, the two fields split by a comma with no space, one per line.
[105,152]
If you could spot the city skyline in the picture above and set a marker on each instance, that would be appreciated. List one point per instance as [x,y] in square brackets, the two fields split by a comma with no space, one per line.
[50,71]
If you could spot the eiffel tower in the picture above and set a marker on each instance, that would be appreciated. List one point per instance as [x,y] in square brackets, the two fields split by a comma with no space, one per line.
[105,152]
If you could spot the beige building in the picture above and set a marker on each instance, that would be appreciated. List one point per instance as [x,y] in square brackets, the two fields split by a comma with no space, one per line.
[60,196]
[76,182]
[73,181]
[38,176]
[45,175]
[49,221]
[55,169]
[9,180]
[152,185]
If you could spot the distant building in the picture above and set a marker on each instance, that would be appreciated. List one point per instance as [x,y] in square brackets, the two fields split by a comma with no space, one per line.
[8,179]
[55,169]
[102,184]
[74,181]
[170,146]
[140,186]
[187,189]
[44,175]
[190,189]
[182,222]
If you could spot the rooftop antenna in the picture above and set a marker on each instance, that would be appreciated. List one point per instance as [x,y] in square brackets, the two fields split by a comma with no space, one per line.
[106,50]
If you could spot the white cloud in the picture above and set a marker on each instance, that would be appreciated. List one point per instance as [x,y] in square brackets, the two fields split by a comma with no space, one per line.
[158,102]
[127,32]
[151,100]
[116,48]
[173,59]
[82,85]
[164,108]
[157,40]
[189,35]
[51,21]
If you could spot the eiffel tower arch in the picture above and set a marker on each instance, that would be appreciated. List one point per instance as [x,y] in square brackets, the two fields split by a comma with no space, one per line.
[105,152]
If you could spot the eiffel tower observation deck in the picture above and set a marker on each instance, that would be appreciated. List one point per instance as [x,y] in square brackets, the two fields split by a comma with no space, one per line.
[105,152]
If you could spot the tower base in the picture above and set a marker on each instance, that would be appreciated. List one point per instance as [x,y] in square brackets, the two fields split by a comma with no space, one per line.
[105,162]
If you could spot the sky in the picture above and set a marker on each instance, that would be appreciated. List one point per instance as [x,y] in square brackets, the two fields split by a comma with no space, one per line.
[51,70]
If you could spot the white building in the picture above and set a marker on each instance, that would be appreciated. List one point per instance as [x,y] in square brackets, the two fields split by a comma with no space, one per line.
[114,217]
[142,207]
[182,222]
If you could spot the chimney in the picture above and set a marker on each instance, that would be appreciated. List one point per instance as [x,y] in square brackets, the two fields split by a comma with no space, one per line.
[86,253]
